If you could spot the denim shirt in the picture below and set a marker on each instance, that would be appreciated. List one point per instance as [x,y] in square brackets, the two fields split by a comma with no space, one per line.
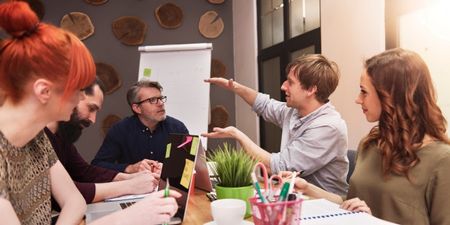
[315,143]
[129,141]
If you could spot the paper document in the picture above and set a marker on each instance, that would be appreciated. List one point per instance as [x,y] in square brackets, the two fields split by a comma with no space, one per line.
[322,211]
[126,197]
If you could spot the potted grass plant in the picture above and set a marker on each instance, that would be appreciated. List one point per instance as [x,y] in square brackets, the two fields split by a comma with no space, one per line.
[233,168]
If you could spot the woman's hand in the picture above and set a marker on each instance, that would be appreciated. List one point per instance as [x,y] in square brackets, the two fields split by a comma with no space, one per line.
[356,204]
[153,209]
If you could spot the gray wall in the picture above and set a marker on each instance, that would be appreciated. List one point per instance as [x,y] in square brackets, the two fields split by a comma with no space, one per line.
[106,48]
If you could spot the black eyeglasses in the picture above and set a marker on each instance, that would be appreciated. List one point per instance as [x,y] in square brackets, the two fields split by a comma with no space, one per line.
[153,100]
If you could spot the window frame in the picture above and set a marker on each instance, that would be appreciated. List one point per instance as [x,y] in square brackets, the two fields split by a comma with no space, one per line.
[283,50]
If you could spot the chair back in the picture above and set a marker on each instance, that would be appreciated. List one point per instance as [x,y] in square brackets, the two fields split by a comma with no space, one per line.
[351,154]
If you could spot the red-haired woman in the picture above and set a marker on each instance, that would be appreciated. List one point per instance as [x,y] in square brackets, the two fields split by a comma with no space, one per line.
[42,70]
[402,167]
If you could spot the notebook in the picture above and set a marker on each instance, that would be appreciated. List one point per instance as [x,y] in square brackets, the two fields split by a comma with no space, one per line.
[182,153]
[322,211]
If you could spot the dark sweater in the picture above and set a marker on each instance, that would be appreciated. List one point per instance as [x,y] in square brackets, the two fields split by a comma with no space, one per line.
[130,141]
[83,174]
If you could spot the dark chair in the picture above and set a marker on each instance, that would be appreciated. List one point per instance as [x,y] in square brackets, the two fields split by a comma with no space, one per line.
[351,154]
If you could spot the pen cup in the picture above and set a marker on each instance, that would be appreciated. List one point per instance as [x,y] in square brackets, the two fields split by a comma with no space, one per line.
[276,213]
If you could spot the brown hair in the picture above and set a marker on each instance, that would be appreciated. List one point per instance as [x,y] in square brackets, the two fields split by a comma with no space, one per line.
[38,50]
[316,70]
[409,110]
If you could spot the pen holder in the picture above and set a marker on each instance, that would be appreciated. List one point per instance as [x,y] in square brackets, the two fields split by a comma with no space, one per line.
[276,213]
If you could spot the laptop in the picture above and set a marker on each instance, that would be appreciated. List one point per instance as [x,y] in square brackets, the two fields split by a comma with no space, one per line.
[183,151]
[183,154]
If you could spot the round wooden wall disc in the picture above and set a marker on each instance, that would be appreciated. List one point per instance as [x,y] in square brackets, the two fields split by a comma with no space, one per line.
[216,1]
[169,15]
[78,23]
[218,69]
[96,2]
[129,30]
[219,117]
[211,24]
[108,122]
[109,76]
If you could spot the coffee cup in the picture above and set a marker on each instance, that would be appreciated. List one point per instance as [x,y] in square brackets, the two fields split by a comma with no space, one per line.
[228,211]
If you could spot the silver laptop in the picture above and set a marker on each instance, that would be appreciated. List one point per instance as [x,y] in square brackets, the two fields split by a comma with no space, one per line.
[202,172]
[183,151]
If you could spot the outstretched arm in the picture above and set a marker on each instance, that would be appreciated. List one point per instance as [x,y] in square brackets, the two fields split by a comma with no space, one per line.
[153,209]
[8,214]
[247,144]
[143,183]
[246,93]
[67,195]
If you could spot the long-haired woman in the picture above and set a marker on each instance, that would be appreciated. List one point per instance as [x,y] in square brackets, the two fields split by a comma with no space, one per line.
[402,167]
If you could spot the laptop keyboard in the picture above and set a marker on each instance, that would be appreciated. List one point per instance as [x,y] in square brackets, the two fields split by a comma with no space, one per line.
[126,204]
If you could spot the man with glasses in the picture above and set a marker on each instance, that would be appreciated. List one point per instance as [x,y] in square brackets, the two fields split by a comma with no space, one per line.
[138,142]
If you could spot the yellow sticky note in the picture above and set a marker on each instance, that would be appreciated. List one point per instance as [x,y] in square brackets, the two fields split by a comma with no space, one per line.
[147,72]
[187,173]
[194,145]
[168,147]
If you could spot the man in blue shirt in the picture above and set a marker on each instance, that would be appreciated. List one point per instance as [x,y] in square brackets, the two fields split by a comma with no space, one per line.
[138,142]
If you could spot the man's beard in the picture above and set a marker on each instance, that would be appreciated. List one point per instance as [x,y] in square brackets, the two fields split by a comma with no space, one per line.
[71,130]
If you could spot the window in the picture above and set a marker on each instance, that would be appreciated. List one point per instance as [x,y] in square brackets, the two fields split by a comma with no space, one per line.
[286,29]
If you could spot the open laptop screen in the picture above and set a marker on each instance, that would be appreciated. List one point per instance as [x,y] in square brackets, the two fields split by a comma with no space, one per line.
[178,166]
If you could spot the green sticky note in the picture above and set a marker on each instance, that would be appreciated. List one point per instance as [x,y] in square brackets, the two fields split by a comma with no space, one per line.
[194,145]
[147,72]
[168,147]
